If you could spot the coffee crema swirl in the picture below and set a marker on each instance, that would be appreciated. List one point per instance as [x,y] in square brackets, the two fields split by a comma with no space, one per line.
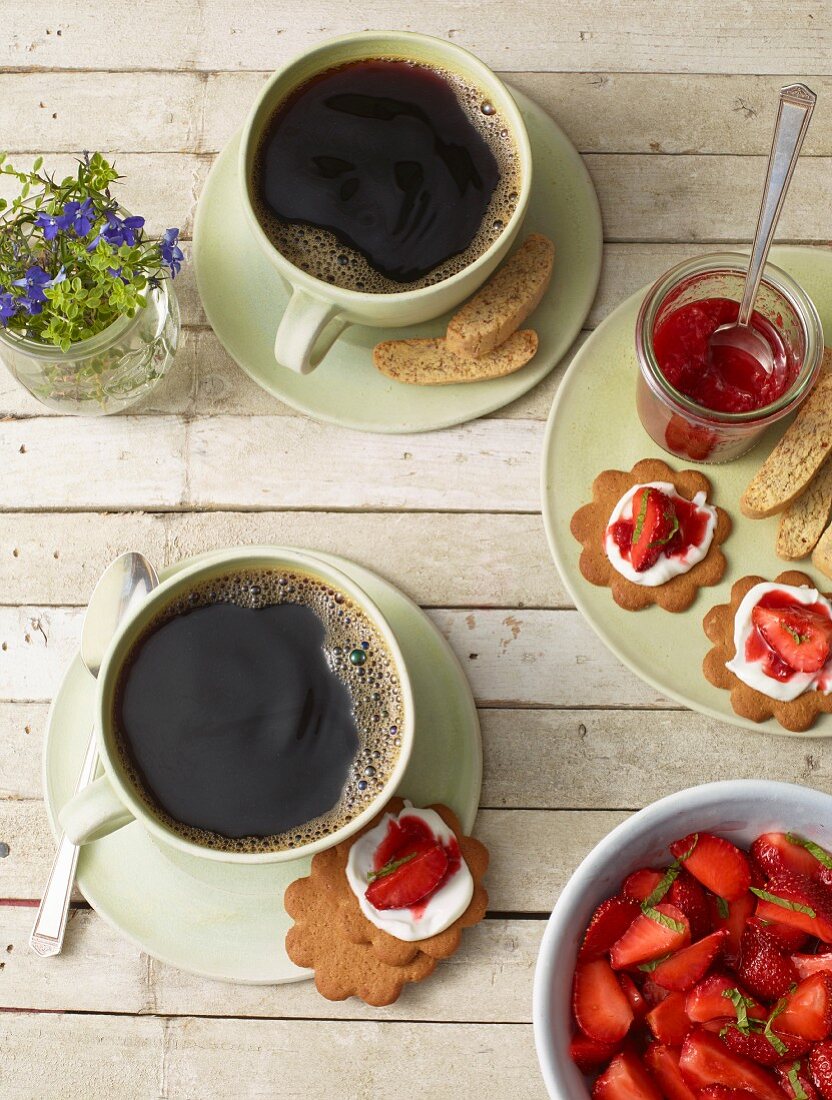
[259,711]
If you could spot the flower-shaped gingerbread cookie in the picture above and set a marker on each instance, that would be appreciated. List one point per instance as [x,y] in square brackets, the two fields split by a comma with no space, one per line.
[797,714]
[590,524]
[349,954]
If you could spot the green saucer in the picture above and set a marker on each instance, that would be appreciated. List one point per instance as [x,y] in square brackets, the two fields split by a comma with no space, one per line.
[220,920]
[244,299]
[594,426]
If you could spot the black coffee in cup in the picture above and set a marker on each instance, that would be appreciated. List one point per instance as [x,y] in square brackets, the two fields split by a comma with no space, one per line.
[259,711]
[384,175]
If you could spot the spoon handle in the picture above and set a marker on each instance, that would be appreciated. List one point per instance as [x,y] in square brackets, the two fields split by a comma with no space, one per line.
[50,924]
[796,105]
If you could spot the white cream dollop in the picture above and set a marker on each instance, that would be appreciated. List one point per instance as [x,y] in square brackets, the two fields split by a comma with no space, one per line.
[666,567]
[440,911]
[753,672]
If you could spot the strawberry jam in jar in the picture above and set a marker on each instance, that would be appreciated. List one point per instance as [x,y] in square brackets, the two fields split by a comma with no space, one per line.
[713,406]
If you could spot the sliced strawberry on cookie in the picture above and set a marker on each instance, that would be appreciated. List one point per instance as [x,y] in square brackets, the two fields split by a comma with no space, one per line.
[684,969]
[406,881]
[663,1063]
[609,922]
[654,524]
[717,863]
[820,1068]
[599,1004]
[652,935]
[794,899]
[707,1061]
[799,636]
[763,968]
[625,1078]
[807,1010]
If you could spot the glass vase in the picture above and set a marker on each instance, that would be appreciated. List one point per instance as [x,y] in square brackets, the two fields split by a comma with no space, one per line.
[106,373]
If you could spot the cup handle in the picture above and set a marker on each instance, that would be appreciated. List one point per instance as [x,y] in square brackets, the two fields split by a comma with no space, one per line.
[94,812]
[307,330]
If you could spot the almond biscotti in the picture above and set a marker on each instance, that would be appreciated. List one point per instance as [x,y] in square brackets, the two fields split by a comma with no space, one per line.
[430,362]
[803,522]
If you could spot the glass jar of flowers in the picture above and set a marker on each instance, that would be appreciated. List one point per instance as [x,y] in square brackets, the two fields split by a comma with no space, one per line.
[88,319]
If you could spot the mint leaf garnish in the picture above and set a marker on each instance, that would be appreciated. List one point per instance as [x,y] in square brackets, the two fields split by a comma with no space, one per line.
[776,1041]
[389,868]
[723,908]
[661,888]
[741,1006]
[642,515]
[819,853]
[690,850]
[663,918]
[668,516]
[648,968]
[798,1089]
[784,903]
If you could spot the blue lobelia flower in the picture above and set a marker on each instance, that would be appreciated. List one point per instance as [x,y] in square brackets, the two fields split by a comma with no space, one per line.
[172,255]
[35,282]
[51,224]
[8,307]
[78,216]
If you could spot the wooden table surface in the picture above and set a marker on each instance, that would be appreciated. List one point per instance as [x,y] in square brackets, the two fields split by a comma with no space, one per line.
[671,104]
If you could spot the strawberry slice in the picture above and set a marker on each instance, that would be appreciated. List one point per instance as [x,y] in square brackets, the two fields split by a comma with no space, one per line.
[820,1068]
[651,937]
[637,1000]
[758,1048]
[718,864]
[686,894]
[410,882]
[763,968]
[589,1055]
[799,636]
[795,1081]
[812,964]
[789,938]
[709,1000]
[654,524]
[609,922]
[793,899]
[669,1021]
[625,1078]
[808,1010]
[707,1061]
[641,884]
[774,852]
[734,922]
[684,969]
[663,1064]
[720,1092]
[600,1006]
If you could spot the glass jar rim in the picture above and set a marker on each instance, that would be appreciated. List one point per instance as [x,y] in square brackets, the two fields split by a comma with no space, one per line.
[81,349]
[773,277]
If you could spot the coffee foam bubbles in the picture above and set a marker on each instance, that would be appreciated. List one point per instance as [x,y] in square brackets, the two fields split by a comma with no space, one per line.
[322,255]
[373,685]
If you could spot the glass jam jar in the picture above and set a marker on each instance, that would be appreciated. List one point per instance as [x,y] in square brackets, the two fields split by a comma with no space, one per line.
[676,422]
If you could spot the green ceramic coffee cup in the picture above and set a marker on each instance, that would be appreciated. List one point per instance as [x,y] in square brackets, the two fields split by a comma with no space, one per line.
[318,312]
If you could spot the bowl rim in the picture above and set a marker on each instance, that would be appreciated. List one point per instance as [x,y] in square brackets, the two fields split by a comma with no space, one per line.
[558,929]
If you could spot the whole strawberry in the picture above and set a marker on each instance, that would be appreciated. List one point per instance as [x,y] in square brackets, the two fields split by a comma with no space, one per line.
[764,970]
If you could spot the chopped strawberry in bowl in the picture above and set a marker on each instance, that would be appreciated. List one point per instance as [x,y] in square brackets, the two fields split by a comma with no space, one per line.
[690,955]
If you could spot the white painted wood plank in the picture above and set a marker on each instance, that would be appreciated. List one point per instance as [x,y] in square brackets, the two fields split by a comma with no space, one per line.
[602,112]
[533,852]
[512,658]
[582,35]
[101,1057]
[264,463]
[643,198]
[488,979]
[546,759]
[443,559]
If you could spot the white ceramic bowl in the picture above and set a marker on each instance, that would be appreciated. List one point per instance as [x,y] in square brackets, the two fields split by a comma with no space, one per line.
[738,809]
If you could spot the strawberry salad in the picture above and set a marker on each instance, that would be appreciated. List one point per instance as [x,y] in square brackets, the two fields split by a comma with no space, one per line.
[711,978]
[783,641]
[654,534]
[409,876]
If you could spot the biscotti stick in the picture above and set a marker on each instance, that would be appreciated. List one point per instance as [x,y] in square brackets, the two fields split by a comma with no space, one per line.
[431,362]
[803,522]
[501,306]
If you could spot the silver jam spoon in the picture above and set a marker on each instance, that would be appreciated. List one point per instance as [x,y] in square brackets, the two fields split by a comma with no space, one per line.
[123,584]
[796,105]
